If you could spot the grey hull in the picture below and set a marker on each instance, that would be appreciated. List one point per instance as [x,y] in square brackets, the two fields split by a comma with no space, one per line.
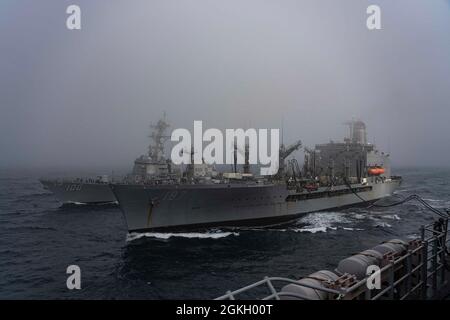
[87,193]
[185,206]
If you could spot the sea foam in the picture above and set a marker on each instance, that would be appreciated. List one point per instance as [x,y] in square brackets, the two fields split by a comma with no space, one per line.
[190,235]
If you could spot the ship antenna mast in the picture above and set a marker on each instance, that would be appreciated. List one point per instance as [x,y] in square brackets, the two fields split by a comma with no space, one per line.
[158,136]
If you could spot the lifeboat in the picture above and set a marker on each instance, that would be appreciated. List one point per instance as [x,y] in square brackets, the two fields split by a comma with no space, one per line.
[375,171]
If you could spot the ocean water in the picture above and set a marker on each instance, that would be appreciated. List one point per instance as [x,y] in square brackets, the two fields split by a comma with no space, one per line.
[39,239]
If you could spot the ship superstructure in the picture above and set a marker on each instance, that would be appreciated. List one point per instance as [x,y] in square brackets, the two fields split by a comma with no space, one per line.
[154,166]
[351,160]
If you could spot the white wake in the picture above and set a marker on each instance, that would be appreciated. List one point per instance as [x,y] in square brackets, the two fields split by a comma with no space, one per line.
[191,235]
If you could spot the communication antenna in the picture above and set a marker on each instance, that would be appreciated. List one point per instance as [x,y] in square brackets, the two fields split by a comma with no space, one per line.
[389,144]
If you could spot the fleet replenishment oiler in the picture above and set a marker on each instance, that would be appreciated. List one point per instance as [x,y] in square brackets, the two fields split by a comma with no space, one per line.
[334,175]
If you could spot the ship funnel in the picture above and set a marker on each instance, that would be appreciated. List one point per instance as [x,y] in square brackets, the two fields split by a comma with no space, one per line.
[357,132]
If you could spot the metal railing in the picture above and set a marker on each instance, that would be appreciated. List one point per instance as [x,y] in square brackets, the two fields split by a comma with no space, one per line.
[419,273]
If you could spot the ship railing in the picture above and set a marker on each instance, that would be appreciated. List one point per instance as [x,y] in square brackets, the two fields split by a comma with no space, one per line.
[275,294]
[86,180]
[79,180]
[420,273]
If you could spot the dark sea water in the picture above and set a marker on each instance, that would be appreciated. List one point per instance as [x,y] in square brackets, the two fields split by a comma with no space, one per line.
[39,239]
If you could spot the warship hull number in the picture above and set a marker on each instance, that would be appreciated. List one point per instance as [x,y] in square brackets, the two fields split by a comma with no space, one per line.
[73,187]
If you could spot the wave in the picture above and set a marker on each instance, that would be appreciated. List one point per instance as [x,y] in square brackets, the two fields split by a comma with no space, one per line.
[311,230]
[190,235]
[100,205]
[383,225]
[75,203]
[323,229]
[321,221]
[391,217]
[402,190]
[433,200]
[325,219]
[377,216]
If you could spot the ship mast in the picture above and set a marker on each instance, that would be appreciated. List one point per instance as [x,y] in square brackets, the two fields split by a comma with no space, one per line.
[159,138]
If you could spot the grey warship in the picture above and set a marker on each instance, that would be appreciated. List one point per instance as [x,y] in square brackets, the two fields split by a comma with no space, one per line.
[97,190]
[334,175]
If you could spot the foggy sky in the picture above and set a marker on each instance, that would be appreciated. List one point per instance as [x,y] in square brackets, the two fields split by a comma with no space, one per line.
[86,98]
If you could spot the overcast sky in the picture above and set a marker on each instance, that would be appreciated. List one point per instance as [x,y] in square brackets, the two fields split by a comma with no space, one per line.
[86,98]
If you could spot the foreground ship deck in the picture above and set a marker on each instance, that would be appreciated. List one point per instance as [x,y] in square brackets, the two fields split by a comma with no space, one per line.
[164,207]
[408,270]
